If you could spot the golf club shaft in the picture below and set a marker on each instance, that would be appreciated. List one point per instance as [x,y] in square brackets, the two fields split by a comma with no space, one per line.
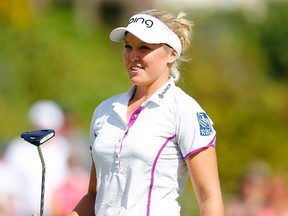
[43,180]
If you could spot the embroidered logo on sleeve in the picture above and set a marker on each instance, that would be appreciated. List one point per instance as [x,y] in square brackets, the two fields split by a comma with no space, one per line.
[204,124]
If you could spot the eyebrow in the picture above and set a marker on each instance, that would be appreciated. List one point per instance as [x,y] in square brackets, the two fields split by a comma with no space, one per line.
[140,43]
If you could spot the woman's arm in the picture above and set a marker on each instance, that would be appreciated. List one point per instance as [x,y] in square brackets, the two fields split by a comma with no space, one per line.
[205,180]
[85,207]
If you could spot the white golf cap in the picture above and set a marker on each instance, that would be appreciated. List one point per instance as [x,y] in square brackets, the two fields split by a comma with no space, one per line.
[148,29]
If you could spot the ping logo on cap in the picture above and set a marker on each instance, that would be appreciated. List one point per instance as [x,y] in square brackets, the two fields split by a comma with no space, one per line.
[148,29]
[147,22]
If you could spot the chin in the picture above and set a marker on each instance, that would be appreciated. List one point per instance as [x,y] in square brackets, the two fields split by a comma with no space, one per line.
[135,81]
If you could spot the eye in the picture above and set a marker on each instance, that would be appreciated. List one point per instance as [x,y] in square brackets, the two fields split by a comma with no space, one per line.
[144,48]
[127,46]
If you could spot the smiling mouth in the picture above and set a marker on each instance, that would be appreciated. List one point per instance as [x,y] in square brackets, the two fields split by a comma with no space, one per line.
[135,68]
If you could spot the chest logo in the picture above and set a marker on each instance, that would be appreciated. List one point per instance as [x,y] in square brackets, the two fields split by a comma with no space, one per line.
[161,95]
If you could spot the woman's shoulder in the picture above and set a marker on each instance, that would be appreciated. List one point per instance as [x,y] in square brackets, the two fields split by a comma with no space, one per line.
[110,100]
[183,99]
[121,98]
[107,103]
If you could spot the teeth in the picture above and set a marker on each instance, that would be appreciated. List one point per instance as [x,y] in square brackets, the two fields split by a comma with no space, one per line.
[135,68]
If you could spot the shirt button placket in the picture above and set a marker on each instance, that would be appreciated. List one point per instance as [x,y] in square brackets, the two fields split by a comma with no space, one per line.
[117,153]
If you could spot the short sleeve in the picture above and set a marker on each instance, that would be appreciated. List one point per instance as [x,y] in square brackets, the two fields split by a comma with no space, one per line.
[194,128]
[93,124]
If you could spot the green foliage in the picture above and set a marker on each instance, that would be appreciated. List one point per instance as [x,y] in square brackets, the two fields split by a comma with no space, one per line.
[229,75]
[274,41]
[54,59]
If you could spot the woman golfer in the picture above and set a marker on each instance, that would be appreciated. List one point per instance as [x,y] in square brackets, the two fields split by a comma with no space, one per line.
[147,141]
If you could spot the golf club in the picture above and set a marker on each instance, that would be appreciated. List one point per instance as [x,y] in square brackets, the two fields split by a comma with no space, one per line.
[37,138]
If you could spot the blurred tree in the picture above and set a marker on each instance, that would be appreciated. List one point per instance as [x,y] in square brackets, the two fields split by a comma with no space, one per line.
[16,12]
[274,32]
[229,76]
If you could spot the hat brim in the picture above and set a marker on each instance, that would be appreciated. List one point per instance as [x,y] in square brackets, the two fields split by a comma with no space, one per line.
[118,34]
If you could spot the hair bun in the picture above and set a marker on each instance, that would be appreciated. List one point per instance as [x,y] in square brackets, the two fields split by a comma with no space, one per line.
[184,31]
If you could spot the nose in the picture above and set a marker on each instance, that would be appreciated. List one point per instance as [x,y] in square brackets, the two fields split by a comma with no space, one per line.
[134,55]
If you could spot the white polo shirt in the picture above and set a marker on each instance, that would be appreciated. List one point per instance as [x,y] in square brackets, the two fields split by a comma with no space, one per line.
[140,164]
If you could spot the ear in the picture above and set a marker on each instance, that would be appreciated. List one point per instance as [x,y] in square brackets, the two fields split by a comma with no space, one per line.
[172,56]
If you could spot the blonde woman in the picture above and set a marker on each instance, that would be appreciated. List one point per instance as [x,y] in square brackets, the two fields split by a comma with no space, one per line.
[146,142]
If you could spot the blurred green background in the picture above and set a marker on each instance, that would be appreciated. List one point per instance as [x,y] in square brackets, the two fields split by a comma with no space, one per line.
[238,72]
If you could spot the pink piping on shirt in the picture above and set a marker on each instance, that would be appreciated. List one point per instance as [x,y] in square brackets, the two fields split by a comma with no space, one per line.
[153,172]
[130,123]
[210,144]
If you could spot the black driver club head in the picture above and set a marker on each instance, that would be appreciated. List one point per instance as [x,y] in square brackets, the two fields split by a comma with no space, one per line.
[38,137]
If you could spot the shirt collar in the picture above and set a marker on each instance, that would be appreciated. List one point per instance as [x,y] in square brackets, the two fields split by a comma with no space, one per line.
[122,102]
[164,91]
[157,97]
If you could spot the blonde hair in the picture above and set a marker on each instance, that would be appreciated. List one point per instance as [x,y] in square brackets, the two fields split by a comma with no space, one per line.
[181,27]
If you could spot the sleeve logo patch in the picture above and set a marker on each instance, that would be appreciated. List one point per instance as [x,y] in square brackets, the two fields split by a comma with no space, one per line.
[204,124]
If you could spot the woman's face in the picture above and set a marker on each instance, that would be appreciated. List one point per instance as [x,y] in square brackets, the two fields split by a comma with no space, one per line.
[147,64]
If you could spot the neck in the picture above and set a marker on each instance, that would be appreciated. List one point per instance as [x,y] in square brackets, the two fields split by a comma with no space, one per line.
[142,93]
